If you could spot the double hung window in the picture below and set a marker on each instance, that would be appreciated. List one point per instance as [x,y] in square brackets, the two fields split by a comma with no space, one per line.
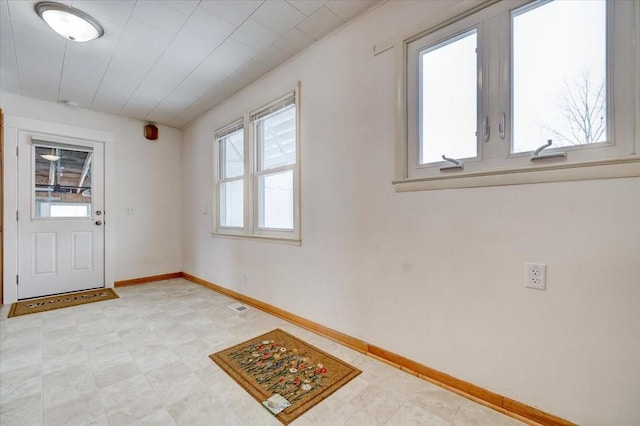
[275,131]
[257,185]
[520,88]
[231,176]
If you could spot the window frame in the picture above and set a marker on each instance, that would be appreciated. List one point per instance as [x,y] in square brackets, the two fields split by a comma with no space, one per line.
[496,164]
[260,171]
[251,207]
[454,34]
[220,135]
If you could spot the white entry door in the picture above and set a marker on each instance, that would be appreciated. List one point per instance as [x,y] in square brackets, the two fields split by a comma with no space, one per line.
[60,216]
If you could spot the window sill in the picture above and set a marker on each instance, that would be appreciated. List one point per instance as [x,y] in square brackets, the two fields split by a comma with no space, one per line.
[606,169]
[262,238]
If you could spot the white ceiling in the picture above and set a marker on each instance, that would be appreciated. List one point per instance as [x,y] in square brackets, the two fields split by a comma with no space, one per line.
[166,62]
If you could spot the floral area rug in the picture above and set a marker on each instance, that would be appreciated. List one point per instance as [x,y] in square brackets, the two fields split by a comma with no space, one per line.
[43,304]
[278,363]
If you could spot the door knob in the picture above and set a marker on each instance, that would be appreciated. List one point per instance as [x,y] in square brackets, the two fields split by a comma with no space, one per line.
[98,222]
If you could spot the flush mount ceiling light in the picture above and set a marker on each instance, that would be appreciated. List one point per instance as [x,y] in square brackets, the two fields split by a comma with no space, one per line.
[52,156]
[70,23]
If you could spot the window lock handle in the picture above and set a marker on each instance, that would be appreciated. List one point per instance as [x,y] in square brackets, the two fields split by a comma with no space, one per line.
[455,164]
[487,129]
[538,154]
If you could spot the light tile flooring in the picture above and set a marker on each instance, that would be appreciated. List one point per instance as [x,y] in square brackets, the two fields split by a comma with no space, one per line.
[143,360]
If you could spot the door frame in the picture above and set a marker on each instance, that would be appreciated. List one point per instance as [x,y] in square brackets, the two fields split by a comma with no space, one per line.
[16,127]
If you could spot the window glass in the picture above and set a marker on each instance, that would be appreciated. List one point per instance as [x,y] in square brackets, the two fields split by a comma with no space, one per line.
[62,182]
[232,204]
[448,99]
[232,155]
[276,200]
[559,74]
[69,210]
[277,133]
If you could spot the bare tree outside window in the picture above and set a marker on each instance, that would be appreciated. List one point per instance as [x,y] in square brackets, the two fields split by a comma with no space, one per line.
[583,102]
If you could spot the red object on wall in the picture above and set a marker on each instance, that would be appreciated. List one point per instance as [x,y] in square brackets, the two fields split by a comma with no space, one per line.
[151,132]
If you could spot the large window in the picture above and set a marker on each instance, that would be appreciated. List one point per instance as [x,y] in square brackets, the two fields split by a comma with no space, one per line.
[531,89]
[257,186]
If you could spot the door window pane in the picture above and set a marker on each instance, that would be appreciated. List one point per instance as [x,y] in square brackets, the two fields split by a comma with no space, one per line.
[232,204]
[276,200]
[277,134]
[232,155]
[62,182]
[448,99]
[559,74]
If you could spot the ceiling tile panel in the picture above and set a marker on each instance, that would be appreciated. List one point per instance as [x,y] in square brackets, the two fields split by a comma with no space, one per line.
[77,93]
[82,73]
[233,11]
[307,6]
[255,35]
[232,54]
[253,70]
[171,106]
[186,7]
[233,84]
[184,54]
[202,105]
[161,114]
[113,93]
[37,81]
[226,89]
[24,11]
[271,57]
[9,78]
[347,9]
[137,110]
[278,15]
[209,25]
[5,20]
[159,16]
[321,22]
[293,42]
[214,70]
[139,49]
[36,48]
[201,80]
[114,11]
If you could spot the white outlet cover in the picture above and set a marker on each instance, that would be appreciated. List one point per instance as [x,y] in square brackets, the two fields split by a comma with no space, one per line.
[535,276]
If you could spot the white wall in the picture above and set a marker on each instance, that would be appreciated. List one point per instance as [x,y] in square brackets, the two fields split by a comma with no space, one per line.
[435,276]
[142,174]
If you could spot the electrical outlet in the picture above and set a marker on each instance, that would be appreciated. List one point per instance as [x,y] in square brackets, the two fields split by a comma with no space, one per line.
[535,276]
[245,280]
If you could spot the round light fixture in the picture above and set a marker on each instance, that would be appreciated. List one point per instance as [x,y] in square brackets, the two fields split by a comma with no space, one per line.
[50,157]
[69,22]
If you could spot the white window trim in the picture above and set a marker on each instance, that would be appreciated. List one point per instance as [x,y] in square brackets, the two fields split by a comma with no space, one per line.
[251,230]
[219,181]
[497,173]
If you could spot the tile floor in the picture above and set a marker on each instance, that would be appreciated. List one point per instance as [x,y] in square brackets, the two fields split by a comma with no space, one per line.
[143,360]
